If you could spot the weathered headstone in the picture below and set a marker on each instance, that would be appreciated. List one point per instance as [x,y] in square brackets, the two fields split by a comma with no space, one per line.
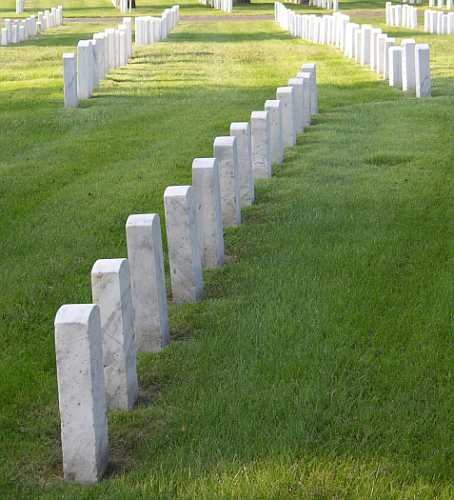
[184,250]
[242,132]
[149,298]
[81,392]
[225,151]
[111,291]
[207,198]
[286,96]
[297,84]
[261,145]
[311,68]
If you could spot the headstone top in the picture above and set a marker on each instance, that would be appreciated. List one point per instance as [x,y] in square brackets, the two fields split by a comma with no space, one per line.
[108,265]
[75,313]
[239,126]
[177,191]
[140,219]
[224,141]
[204,162]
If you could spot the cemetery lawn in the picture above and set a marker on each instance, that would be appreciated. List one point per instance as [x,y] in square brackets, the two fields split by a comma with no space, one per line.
[320,364]
[97,8]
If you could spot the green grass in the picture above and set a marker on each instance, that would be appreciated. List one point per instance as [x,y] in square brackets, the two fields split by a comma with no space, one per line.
[320,363]
[95,8]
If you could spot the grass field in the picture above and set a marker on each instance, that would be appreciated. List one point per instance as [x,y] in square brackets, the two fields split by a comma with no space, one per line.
[94,8]
[320,363]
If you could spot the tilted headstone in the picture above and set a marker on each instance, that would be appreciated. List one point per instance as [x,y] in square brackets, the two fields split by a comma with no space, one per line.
[297,85]
[242,132]
[286,96]
[274,110]
[111,291]
[225,151]
[261,145]
[207,199]
[149,298]
[183,243]
[312,69]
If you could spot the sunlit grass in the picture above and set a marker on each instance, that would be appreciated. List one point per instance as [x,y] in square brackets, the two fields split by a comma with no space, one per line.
[320,363]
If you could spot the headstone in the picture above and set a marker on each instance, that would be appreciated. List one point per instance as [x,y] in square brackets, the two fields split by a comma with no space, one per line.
[110,33]
[312,70]
[381,53]
[4,37]
[286,96]
[183,243]
[84,61]
[389,42]
[117,48]
[123,47]
[261,145]
[8,25]
[408,64]
[307,110]
[274,110]
[297,85]
[111,291]
[365,44]
[81,392]
[108,52]
[395,66]
[207,196]
[373,51]
[225,151]
[358,38]
[242,132]
[70,80]
[96,70]
[422,70]
[149,298]
[101,43]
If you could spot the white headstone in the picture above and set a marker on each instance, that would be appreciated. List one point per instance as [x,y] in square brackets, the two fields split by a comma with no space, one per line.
[395,66]
[81,392]
[261,145]
[408,64]
[225,151]
[111,291]
[297,85]
[365,44]
[183,243]
[207,197]
[84,61]
[286,96]
[311,68]
[422,70]
[242,132]
[274,109]
[149,298]
[70,80]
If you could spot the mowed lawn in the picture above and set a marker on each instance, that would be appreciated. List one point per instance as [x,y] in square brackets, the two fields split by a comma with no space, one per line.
[320,363]
[95,8]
